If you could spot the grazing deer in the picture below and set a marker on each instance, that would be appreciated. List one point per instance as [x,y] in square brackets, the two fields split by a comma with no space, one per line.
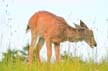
[54,29]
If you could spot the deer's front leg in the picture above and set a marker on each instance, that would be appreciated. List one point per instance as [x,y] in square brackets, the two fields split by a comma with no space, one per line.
[57,51]
[49,50]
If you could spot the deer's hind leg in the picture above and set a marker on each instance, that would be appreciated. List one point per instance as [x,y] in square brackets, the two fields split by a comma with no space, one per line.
[33,41]
[38,47]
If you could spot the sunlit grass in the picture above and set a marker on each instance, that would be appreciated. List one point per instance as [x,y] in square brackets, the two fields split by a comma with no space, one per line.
[66,65]
[14,62]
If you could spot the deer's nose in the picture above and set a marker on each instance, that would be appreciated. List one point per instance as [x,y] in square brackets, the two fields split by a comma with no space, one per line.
[95,44]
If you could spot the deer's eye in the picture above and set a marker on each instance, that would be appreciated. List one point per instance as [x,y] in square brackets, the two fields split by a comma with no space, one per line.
[81,30]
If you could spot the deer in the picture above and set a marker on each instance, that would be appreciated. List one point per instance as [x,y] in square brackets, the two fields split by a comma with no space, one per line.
[53,29]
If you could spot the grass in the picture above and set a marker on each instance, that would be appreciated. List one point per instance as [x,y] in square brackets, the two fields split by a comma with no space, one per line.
[14,62]
[74,64]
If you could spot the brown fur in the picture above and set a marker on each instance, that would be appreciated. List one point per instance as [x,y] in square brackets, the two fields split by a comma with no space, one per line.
[54,29]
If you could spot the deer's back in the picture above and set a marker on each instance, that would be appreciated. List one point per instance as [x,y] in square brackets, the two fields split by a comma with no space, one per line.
[49,25]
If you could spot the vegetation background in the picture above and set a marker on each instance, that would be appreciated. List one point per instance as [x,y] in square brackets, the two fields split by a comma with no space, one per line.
[14,42]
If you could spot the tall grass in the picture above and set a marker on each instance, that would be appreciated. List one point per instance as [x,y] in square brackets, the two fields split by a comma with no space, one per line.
[14,62]
[74,64]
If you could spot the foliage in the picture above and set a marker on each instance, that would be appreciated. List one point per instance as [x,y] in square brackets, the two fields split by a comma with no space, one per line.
[13,62]
[65,65]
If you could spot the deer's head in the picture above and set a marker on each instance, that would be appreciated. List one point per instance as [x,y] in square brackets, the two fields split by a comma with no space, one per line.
[86,34]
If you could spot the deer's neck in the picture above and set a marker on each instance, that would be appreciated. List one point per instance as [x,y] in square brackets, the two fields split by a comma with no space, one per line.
[73,35]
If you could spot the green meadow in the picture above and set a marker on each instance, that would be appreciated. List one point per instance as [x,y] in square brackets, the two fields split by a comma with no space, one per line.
[12,62]
[66,65]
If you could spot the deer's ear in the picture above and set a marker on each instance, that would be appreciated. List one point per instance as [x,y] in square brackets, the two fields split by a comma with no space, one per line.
[77,26]
[82,24]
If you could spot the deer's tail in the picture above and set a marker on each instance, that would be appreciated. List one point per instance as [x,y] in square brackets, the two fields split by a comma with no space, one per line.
[32,24]
[28,28]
